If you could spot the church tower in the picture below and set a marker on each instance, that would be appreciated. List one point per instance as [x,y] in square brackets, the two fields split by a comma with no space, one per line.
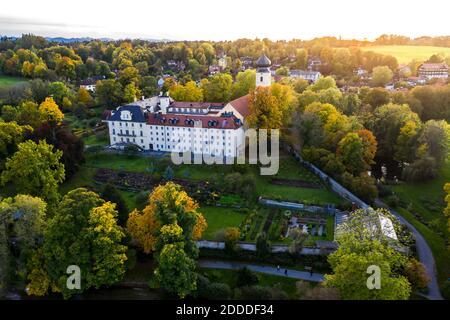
[263,76]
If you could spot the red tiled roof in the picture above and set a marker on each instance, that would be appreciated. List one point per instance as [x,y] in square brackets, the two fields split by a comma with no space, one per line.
[241,105]
[223,122]
[434,66]
[106,114]
[197,105]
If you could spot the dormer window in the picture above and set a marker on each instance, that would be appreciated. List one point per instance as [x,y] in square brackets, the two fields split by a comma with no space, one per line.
[125,115]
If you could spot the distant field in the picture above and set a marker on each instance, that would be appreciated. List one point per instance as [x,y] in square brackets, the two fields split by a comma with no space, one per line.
[405,54]
[6,81]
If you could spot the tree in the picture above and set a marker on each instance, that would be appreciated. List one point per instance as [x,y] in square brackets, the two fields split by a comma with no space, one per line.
[82,232]
[64,140]
[436,136]
[424,168]
[447,200]
[168,173]
[84,97]
[130,93]
[187,92]
[50,112]
[26,216]
[175,271]
[381,76]
[387,122]
[417,274]
[246,278]
[231,238]
[35,169]
[286,100]
[245,83]
[129,75]
[265,112]
[105,238]
[323,83]
[109,93]
[11,134]
[263,247]
[362,244]
[405,149]
[351,151]
[110,193]
[167,204]
[377,97]
[28,114]
[58,91]
[217,88]
[298,240]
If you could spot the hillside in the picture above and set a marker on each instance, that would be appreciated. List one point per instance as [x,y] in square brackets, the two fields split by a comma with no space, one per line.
[405,54]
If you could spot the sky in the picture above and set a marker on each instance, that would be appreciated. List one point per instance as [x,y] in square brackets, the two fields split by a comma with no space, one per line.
[225,19]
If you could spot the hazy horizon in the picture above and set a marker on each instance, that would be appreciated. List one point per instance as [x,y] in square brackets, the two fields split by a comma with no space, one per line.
[225,20]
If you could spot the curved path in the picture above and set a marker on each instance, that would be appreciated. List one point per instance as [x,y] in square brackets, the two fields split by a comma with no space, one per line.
[424,252]
[295,274]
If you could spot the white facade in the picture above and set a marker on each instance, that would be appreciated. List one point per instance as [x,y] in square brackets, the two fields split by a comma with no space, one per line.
[312,76]
[159,124]
[89,87]
[263,79]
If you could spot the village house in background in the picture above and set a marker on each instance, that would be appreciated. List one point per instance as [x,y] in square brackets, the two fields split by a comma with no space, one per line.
[433,70]
[311,76]
[90,83]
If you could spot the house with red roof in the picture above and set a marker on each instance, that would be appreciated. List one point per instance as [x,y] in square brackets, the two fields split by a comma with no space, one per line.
[433,70]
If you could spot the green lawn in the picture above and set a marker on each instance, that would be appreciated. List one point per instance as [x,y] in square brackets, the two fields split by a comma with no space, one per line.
[6,81]
[220,218]
[427,200]
[97,139]
[288,169]
[405,54]
[436,243]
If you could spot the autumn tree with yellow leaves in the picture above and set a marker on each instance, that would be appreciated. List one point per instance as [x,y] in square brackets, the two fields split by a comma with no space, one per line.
[168,228]
[167,204]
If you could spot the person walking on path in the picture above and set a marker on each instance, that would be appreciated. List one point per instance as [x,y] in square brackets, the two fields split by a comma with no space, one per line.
[278,268]
[285,271]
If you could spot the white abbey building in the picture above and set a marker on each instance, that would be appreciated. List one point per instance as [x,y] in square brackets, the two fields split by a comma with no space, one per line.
[162,124]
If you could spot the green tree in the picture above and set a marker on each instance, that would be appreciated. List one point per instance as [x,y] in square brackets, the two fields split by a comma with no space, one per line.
[351,151]
[58,90]
[109,93]
[362,244]
[176,270]
[245,83]
[263,247]
[381,76]
[265,112]
[130,93]
[218,88]
[82,232]
[11,134]
[35,169]
[110,193]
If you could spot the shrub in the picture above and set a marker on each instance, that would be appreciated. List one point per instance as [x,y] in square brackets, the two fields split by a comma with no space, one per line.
[393,201]
[246,277]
